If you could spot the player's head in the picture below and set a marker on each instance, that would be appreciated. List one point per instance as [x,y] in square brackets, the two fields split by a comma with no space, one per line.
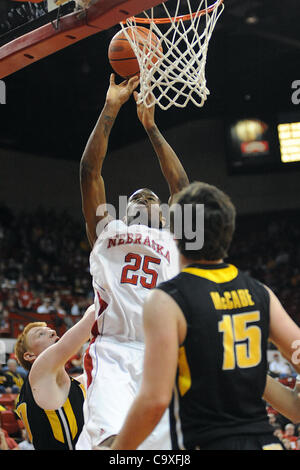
[219,221]
[34,339]
[144,208]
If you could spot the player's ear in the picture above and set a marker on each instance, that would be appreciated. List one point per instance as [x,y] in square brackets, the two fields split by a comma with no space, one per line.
[29,356]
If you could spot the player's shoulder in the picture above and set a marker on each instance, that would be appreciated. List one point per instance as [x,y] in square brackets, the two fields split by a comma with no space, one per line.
[256,283]
[112,228]
[175,283]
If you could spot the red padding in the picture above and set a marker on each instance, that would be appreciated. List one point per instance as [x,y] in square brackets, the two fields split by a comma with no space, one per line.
[78,25]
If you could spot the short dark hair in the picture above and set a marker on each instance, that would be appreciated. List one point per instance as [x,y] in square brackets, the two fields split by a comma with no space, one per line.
[219,220]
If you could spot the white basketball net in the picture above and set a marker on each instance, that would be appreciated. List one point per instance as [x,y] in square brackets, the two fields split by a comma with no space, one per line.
[178,76]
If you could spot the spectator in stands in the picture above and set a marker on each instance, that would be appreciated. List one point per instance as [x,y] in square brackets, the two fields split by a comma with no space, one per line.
[25,444]
[289,435]
[6,382]
[6,442]
[25,297]
[19,369]
[75,311]
[11,303]
[277,367]
[4,319]
[57,304]
[278,432]
[46,306]
[16,376]
[272,419]
[287,444]
[68,321]
[75,363]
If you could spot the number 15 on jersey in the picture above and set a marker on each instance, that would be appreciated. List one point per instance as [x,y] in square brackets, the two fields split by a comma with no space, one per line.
[241,340]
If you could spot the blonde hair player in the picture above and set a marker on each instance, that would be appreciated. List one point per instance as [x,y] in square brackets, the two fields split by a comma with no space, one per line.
[50,403]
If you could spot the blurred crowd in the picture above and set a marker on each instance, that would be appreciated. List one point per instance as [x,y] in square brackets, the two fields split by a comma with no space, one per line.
[14,14]
[44,265]
[44,261]
[44,268]
[267,247]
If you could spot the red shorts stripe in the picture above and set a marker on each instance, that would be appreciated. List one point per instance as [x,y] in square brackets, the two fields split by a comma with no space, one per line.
[88,361]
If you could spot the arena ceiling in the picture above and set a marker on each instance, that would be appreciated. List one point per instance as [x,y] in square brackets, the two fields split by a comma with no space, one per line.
[254,57]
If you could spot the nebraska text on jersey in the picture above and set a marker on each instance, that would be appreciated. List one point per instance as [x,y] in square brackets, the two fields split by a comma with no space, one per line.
[138,239]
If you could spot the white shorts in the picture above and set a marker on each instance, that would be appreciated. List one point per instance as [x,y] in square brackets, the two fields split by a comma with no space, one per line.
[113,375]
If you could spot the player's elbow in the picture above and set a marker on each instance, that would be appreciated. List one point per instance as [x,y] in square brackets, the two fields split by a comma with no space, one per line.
[156,409]
[86,169]
[295,418]
[159,403]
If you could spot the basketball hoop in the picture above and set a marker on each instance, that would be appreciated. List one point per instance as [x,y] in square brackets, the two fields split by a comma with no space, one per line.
[178,76]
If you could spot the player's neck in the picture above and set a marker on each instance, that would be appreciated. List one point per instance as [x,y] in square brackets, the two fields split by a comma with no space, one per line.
[184,262]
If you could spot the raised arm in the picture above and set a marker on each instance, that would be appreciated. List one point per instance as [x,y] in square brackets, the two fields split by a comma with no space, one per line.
[170,164]
[54,357]
[91,180]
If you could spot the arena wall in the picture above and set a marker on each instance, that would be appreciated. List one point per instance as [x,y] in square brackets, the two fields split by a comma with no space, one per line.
[28,181]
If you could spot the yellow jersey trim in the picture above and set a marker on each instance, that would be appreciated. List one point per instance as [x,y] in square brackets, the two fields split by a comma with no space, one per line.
[71,418]
[218,276]
[55,425]
[22,413]
[184,379]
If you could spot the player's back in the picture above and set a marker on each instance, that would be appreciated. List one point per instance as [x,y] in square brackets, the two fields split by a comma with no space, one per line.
[222,364]
[126,263]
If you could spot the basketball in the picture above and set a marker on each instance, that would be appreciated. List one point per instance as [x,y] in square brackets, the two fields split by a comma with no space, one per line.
[121,55]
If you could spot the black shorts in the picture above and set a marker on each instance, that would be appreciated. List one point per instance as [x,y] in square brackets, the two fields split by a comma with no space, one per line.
[247,442]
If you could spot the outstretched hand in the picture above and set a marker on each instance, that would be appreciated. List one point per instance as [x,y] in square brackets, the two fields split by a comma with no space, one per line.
[117,95]
[146,115]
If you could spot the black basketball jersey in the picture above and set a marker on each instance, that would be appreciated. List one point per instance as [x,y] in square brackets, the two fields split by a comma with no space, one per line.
[52,429]
[222,363]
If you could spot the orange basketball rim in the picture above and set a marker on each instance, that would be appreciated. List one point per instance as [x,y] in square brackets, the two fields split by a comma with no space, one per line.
[187,17]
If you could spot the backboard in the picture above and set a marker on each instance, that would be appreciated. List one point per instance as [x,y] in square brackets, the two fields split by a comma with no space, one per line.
[60,28]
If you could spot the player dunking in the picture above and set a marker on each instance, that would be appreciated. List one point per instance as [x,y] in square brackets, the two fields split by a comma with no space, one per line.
[127,260]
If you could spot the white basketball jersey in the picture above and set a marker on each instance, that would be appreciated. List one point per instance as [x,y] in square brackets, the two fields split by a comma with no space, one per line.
[126,263]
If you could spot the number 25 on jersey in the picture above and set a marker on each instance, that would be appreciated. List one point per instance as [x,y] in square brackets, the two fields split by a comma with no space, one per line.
[139,261]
